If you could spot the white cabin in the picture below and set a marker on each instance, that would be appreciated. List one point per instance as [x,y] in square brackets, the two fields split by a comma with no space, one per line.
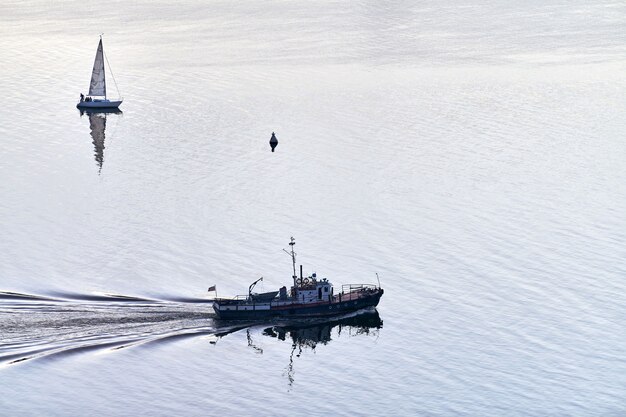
[311,290]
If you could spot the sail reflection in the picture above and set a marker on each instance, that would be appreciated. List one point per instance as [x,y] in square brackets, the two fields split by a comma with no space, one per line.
[97,126]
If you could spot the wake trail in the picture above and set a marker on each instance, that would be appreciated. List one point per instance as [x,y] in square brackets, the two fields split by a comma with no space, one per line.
[36,327]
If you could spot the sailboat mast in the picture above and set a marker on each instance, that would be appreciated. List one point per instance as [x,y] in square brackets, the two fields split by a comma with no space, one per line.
[103,71]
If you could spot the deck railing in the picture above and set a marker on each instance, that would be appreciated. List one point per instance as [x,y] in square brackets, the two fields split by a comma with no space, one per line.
[357,287]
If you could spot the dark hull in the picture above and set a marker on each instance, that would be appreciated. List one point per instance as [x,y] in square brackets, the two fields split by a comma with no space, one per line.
[303,310]
[99,104]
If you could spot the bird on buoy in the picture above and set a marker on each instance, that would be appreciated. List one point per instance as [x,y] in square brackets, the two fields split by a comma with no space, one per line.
[273,141]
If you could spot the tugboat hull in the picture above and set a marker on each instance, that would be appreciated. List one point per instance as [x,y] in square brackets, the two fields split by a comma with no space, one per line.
[227,310]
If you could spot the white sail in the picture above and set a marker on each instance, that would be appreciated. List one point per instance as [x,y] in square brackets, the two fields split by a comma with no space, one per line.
[98,87]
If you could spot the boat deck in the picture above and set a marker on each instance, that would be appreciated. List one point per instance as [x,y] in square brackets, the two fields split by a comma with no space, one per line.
[355,294]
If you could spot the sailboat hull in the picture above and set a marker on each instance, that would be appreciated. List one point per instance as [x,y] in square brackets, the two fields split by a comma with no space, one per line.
[99,104]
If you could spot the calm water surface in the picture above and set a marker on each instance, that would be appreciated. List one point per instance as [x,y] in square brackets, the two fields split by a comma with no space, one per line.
[470,153]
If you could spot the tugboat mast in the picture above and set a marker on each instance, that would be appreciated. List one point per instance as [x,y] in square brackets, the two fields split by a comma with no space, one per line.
[293,259]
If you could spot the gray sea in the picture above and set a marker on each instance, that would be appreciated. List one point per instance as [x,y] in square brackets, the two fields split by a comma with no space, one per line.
[471,153]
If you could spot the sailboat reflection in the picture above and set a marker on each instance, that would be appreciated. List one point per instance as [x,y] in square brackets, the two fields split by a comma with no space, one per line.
[97,125]
[307,335]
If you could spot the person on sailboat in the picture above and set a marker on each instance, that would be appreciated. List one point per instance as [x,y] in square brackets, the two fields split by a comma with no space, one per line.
[82,97]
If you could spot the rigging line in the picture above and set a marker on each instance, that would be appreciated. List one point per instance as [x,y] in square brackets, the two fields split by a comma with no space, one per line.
[111,71]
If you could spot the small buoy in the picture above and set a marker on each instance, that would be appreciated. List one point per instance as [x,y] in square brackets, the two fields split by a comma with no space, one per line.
[273,141]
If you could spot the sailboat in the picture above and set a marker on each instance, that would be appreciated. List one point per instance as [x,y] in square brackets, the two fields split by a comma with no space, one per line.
[97,97]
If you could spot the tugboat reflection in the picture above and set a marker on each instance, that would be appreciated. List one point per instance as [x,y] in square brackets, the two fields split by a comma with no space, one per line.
[97,125]
[307,335]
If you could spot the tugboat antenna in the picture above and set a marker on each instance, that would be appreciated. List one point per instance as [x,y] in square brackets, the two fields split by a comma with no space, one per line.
[293,259]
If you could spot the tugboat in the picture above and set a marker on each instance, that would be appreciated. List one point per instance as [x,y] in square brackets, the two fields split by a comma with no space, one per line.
[308,297]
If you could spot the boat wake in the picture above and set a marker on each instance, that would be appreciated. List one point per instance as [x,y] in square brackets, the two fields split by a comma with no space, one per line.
[38,327]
